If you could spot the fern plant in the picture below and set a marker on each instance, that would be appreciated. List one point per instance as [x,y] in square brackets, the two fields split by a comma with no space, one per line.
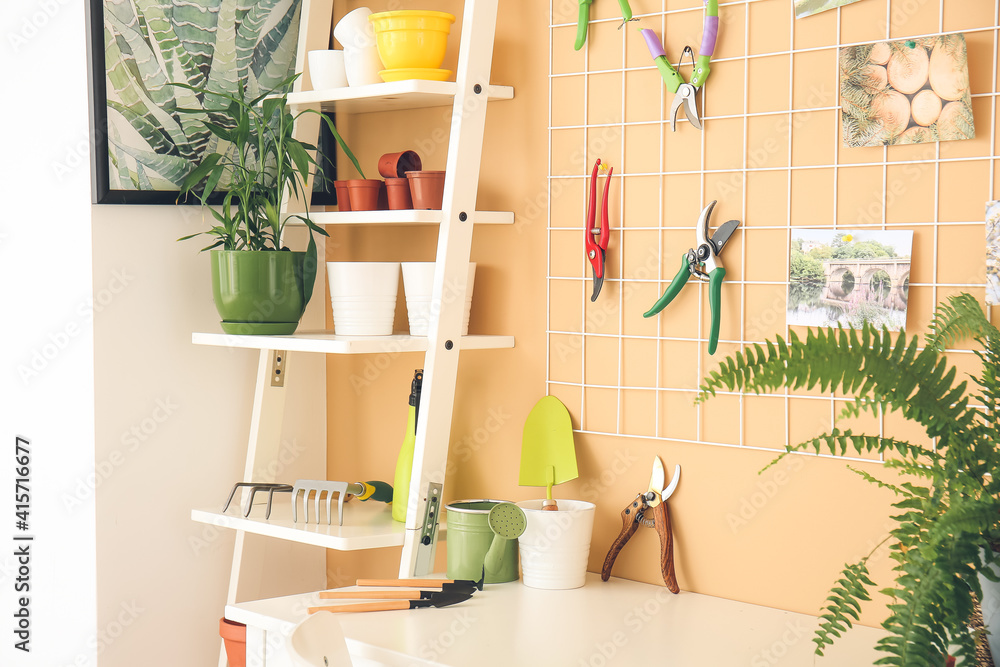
[949,507]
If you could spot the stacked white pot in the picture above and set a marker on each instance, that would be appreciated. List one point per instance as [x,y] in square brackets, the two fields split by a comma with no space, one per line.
[361,59]
[418,287]
[363,296]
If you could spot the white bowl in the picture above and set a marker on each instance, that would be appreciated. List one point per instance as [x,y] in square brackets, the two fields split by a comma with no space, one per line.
[354,30]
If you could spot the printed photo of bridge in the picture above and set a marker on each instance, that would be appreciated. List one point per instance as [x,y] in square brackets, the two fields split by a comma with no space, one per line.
[849,277]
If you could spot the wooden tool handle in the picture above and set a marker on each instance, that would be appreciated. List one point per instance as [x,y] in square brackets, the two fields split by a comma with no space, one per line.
[413,583]
[661,521]
[369,595]
[388,605]
[629,526]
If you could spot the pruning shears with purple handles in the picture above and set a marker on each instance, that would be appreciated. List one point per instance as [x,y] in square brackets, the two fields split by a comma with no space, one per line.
[584,20]
[684,92]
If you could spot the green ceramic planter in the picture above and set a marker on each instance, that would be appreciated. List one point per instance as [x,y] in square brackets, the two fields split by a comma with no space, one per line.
[259,292]
[469,538]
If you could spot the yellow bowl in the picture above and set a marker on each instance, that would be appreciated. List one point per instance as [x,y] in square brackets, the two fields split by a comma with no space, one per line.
[415,73]
[409,39]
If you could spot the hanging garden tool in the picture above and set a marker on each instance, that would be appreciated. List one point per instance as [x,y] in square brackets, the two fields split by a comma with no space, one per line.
[584,20]
[684,93]
[597,250]
[692,262]
[653,501]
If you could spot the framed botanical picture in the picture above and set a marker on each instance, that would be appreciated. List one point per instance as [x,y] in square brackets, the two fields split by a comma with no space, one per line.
[144,135]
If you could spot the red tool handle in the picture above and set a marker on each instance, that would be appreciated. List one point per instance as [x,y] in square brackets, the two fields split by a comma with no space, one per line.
[629,526]
[597,249]
[661,521]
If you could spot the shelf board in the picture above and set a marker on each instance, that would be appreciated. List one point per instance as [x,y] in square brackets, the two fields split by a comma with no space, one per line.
[408,217]
[366,525]
[326,342]
[392,96]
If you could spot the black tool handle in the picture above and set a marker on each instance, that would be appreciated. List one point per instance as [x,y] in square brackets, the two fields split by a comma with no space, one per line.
[630,524]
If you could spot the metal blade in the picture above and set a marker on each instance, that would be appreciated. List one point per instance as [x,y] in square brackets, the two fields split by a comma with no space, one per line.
[701,231]
[722,235]
[657,477]
[669,491]
[598,283]
[442,599]
[454,588]
[691,111]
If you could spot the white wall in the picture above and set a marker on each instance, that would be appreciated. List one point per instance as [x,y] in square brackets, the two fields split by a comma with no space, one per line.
[46,387]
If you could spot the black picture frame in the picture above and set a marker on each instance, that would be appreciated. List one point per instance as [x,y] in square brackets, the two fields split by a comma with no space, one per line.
[101,192]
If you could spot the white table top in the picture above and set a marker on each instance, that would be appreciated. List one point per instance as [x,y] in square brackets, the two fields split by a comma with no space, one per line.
[617,622]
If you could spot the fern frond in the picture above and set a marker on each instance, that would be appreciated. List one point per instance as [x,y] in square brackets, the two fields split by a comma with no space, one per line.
[961,317]
[844,604]
[899,491]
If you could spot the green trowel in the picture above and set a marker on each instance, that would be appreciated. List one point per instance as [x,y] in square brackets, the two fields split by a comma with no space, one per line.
[548,455]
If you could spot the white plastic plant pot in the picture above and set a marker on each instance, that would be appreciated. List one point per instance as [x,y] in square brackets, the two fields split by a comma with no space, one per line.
[418,286]
[354,30]
[362,66]
[363,297]
[556,545]
[326,69]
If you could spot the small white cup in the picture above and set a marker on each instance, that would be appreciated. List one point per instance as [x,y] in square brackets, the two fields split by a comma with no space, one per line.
[326,69]
[354,30]
[362,66]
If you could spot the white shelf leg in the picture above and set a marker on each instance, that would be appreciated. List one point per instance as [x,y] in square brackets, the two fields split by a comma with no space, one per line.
[437,399]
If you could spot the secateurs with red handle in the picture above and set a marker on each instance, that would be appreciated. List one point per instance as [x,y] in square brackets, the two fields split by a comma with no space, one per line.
[597,250]
[702,263]
[649,509]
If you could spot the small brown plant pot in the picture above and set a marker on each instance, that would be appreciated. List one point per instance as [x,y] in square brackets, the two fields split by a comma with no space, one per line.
[364,193]
[343,196]
[426,189]
[398,190]
[235,637]
[383,197]
[395,165]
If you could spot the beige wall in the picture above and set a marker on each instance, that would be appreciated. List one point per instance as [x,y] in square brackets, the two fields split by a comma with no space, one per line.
[775,539]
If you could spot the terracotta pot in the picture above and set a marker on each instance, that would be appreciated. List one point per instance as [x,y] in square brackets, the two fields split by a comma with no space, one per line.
[383,197]
[235,637]
[364,193]
[343,196]
[426,189]
[395,165]
[398,191]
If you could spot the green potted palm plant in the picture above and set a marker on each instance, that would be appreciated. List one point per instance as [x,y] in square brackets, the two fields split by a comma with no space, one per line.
[259,285]
[949,506]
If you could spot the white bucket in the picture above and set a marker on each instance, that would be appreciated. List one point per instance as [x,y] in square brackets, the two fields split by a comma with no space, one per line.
[555,546]
[418,286]
[363,297]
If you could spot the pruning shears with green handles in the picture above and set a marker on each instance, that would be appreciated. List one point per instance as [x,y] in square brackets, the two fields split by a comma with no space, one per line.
[684,92]
[584,20]
[702,262]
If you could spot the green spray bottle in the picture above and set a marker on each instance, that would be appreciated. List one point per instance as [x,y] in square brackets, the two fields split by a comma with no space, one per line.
[404,464]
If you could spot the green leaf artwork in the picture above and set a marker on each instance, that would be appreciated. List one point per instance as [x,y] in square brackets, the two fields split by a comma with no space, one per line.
[153,138]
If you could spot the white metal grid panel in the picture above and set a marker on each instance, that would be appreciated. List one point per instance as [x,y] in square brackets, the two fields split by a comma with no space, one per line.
[577,392]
